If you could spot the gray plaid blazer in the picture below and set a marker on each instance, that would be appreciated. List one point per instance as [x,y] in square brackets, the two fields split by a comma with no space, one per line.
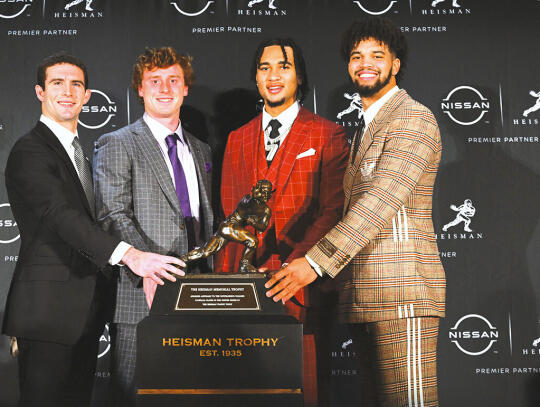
[136,200]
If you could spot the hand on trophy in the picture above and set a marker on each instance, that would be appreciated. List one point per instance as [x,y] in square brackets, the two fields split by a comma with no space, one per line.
[285,282]
[152,265]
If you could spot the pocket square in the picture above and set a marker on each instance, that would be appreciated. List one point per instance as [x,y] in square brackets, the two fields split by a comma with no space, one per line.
[367,171]
[306,153]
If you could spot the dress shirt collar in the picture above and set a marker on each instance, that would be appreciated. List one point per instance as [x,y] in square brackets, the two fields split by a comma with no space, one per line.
[161,132]
[372,111]
[286,118]
[62,134]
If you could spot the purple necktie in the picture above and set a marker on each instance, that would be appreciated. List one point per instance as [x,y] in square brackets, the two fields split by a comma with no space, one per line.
[181,187]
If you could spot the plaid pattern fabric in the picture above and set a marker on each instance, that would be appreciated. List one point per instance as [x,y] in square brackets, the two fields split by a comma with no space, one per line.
[137,201]
[123,356]
[307,174]
[384,246]
[398,362]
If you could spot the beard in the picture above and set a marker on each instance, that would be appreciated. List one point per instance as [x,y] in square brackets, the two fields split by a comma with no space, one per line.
[370,90]
[276,103]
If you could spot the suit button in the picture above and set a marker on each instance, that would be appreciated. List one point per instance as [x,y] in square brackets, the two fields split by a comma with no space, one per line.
[182,227]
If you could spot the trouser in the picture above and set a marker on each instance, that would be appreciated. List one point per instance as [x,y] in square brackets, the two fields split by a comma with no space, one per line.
[309,368]
[123,357]
[397,362]
[54,374]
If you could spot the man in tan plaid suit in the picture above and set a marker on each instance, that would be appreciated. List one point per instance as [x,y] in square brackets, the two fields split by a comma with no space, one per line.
[391,281]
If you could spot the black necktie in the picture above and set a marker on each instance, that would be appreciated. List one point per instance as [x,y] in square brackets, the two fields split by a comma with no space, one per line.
[273,144]
[275,125]
[357,138]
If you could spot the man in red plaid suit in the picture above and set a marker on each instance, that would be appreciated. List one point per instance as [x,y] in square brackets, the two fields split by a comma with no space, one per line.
[392,284]
[304,156]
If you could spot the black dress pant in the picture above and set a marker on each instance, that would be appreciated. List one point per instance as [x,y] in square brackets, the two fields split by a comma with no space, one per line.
[54,374]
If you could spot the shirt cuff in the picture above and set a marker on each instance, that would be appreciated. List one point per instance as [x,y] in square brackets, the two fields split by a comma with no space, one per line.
[314,266]
[118,254]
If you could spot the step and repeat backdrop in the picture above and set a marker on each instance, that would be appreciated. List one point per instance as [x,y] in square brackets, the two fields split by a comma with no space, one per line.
[474,63]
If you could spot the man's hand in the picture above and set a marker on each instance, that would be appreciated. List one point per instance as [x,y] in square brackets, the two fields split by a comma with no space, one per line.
[152,265]
[290,279]
[149,288]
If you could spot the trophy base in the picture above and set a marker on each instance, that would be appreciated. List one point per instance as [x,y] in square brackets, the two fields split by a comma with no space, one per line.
[226,360]
[217,340]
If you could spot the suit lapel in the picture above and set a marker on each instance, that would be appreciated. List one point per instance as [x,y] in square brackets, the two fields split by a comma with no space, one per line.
[376,125]
[379,121]
[205,215]
[200,168]
[253,142]
[350,178]
[152,153]
[290,150]
[52,141]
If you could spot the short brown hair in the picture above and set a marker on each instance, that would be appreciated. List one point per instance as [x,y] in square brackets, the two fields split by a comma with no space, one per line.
[163,57]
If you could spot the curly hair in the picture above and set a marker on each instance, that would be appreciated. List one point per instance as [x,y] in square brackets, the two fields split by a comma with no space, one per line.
[59,58]
[163,57]
[379,29]
[299,63]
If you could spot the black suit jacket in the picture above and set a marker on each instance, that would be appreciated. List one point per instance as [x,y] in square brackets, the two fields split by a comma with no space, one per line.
[62,248]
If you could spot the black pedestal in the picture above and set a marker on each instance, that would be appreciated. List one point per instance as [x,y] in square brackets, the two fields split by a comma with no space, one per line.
[195,355]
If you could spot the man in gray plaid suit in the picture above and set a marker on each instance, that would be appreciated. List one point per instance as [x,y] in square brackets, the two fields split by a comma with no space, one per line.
[153,188]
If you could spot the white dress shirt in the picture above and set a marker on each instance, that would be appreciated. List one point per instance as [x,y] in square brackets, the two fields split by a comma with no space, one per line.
[286,118]
[66,139]
[160,132]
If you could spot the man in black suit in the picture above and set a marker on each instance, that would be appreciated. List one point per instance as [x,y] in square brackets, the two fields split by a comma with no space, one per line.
[56,302]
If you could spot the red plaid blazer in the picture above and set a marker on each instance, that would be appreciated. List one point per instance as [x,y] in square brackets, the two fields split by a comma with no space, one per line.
[307,174]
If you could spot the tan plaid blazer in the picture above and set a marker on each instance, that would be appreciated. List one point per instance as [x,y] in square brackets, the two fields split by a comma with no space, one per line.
[384,248]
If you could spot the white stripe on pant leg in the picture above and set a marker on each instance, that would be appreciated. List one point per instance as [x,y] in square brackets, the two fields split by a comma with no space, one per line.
[406,311]
[415,387]
[420,366]
[405,224]
[400,314]
[399,227]
[409,359]
[394,229]
[412,311]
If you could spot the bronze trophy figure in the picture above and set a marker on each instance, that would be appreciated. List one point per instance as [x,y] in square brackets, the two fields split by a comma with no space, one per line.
[253,211]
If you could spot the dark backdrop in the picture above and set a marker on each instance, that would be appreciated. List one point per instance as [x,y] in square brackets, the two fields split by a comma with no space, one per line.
[474,66]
